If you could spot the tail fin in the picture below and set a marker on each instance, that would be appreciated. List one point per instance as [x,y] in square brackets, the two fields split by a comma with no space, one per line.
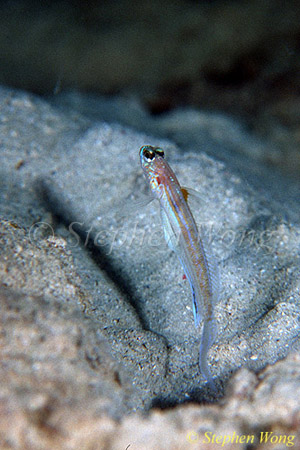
[208,336]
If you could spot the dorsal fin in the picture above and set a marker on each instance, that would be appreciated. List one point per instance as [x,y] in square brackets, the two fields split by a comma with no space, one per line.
[190,194]
[185,193]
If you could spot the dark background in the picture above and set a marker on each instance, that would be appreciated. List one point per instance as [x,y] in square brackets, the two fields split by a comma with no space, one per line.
[237,57]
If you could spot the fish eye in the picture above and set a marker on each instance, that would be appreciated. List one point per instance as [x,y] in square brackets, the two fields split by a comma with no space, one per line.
[160,152]
[148,154]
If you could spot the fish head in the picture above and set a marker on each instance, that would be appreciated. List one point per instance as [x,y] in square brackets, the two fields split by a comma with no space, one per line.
[153,165]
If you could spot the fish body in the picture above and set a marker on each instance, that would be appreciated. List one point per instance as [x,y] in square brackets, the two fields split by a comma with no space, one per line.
[182,235]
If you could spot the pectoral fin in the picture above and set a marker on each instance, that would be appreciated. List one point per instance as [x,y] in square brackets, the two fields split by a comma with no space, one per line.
[170,236]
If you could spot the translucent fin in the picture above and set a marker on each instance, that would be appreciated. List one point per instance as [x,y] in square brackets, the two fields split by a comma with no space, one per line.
[127,207]
[192,196]
[170,236]
[208,337]
[133,206]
